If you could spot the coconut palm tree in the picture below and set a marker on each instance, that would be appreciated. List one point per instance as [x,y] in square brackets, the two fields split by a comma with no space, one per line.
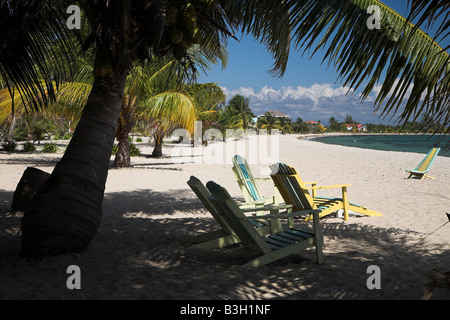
[269,122]
[228,119]
[240,107]
[179,107]
[124,31]
[285,125]
[299,126]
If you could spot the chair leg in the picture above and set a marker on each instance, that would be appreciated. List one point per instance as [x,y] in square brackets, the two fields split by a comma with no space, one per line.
[205,236]
[218,243]
[345,202]
[318,236]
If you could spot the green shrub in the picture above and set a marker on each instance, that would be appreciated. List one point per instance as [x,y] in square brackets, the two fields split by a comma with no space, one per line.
[134,151]
[9,145]
[21,133]
[115,149]
[38,133]
[29,147]
[50,148]
[138,140]
[62,135]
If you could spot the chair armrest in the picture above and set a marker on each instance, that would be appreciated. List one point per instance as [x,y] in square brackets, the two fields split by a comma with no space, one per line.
[255,179]
[267,208]
[262,201]
[330,187]
[284,215]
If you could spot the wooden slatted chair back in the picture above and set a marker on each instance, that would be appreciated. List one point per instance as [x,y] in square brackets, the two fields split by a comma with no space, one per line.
[291,187]
[203,194]
[234,216]
[246,179]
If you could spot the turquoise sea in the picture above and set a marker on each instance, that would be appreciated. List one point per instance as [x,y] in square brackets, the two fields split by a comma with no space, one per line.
[417,143]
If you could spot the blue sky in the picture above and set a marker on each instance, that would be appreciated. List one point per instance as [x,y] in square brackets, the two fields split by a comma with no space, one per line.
[309,90]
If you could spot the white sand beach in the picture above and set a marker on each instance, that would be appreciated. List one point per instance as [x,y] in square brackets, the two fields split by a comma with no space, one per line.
[148,209]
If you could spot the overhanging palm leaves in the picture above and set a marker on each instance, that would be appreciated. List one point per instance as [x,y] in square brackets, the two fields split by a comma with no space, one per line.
[29,39]
[412,68]
[430,11]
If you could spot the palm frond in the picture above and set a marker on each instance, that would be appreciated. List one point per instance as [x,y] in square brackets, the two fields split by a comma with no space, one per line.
[408,67]
[28,42]
[170,105]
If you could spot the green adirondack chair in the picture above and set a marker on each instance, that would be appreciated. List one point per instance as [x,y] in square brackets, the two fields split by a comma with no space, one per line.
[260,249]
[294,191]
[424,166]
[225,236]
[247,183]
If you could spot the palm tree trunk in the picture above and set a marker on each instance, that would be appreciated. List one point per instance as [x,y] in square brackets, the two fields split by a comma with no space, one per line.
[157,150]
[122,159]
[65,213]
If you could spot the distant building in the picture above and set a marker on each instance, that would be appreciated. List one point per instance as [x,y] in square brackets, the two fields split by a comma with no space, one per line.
[276,114]
[312,122]
[359,127]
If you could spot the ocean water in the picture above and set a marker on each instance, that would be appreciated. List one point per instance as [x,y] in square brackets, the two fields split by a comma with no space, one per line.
[417,143]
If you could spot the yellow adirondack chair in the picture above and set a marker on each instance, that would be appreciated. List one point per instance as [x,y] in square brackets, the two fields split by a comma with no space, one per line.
[422,168]
[247,183]
[294,191]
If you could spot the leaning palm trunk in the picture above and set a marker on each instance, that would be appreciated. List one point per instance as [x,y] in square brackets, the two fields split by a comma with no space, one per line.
[65,214]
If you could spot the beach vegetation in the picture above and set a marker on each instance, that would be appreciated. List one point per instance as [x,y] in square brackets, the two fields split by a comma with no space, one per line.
[29,147]
[122,33]
[285,125]
[9,145]
[50,148]
[133,150]
[299,126]
[228,118]
[334,125]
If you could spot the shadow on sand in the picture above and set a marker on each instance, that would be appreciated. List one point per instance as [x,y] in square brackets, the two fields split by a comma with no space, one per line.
[137,255]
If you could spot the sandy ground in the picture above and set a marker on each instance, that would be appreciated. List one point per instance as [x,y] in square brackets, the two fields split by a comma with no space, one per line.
[148,209]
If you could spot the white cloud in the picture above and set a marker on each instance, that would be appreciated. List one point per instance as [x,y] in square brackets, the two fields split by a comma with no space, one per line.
[317,102]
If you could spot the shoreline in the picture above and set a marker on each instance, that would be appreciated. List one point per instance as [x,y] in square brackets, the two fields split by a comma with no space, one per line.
[396,148]
[148,209]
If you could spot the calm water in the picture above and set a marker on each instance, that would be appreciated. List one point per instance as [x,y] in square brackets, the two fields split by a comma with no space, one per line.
[405,143]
